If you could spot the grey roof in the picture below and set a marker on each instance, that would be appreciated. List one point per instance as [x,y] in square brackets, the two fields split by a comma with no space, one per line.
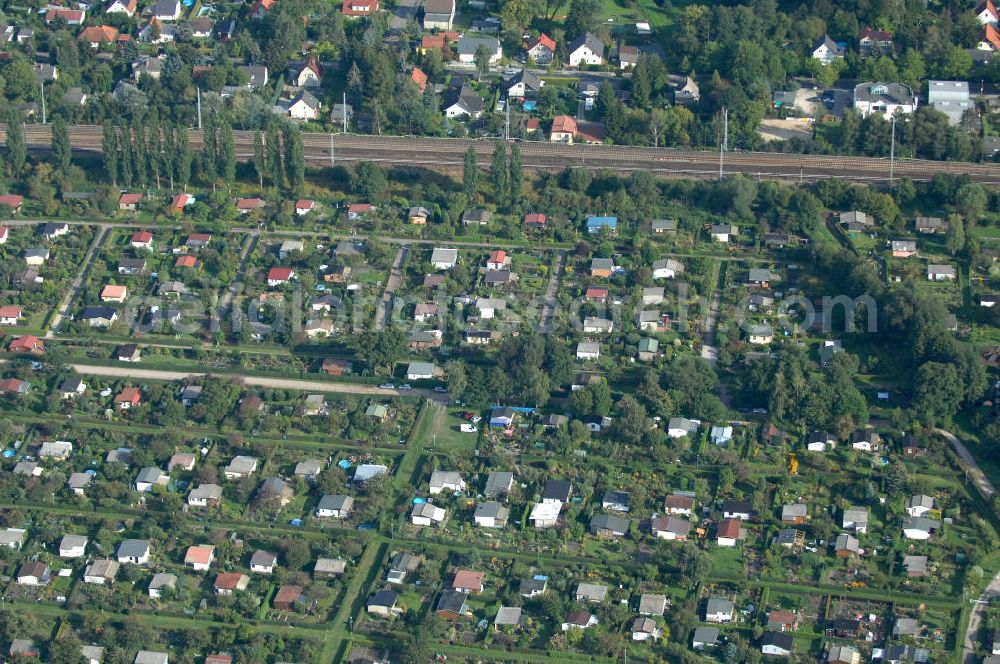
[602,264]
[307,98]
[465,98]
[707,635]
[830,44]
[651,604]
[453,601]
[330,566]
[491,509]
[150,657]
[592,42]
[133,548]
[469,45]
[262,558]
[508,615]
[592,592]
[530,80]
[498,482]
[905,627]
[557,490]
[339,502]
[890,93]
[718,605]
[163,580]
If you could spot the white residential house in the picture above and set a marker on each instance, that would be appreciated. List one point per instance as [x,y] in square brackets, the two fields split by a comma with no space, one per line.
[446,480]
[856,519]
[588,351]
[586,50]
[545,515]
[444,259]
[491,515]
[667,268]
[827,50]
[719,610]
[919,505]
[885,99]
[73,546]
[678,427]
[426,514]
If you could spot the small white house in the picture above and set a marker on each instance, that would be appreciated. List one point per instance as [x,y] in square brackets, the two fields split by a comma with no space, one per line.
[588,351]
[427,514]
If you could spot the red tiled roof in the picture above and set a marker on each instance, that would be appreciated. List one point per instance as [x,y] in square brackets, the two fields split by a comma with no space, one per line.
[563,124]
[249,203]
[729,528]
[545,41]
[535,218]
[359,7]
[991,35]
[10,311]
[129,199]
[130,395]
[12,200]
[142,237]
[304,204]
[876,35]
[28,343]
[98,34]
[279,274]
[419,77]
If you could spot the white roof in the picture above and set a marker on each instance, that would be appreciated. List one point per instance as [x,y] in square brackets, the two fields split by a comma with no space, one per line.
[545,511]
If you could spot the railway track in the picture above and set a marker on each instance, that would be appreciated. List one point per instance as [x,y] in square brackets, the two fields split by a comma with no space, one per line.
[448,155]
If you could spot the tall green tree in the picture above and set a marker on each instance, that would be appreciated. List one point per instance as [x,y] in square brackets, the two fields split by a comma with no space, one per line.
[955,237]
[139,153]
[295,157]
[259,157]
[498,175]
[169,157]
[470,174]
[209,150]
[182,157]
[275,154]
[227,153]
[109,150]
[154,148]
[125,165]
[17,151]
[515,175]
[62,151]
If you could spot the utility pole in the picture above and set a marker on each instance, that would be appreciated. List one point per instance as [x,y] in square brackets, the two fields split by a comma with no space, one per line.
[345,115]
[333,160]
[892,150]
[43,102]
[199,107]
[506,130]
[724,145]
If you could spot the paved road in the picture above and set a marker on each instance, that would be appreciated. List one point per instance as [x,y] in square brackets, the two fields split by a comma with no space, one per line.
[77,285]
[264,381]
[969,465]
[384,311]
[979,610]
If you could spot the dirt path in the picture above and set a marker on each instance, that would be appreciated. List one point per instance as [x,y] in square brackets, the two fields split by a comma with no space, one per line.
[263,381]
[968,463]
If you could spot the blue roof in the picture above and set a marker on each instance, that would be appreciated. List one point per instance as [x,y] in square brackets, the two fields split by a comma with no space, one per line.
[598,222]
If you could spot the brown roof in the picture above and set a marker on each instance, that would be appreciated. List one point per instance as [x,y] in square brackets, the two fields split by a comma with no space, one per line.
[729,528]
